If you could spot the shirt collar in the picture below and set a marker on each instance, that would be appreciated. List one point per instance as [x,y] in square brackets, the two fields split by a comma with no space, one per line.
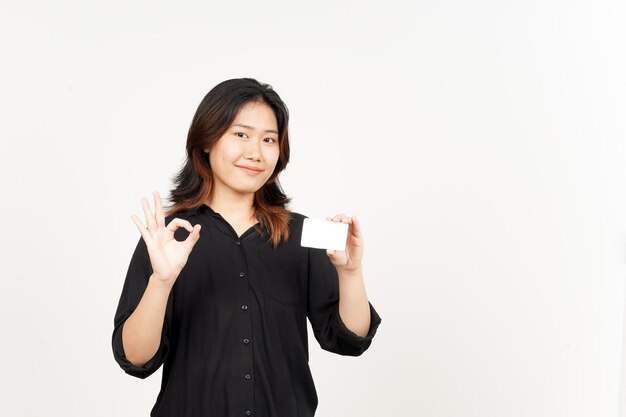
[206,209]
[203,208]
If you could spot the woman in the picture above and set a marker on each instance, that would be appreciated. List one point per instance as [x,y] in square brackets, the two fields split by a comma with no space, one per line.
[220,294]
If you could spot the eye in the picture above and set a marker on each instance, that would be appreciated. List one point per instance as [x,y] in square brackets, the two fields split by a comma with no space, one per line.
[271,140]
[240,133]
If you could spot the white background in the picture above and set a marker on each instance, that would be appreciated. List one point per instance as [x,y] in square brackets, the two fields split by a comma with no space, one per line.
[481,144]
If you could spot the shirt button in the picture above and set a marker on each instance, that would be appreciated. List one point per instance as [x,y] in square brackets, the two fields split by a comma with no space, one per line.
[244,307]
[247,376]
[248,412]
[241,274]
[246,340]
[237,242]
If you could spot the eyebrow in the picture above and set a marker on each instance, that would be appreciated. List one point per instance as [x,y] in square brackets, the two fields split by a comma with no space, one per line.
[250,127]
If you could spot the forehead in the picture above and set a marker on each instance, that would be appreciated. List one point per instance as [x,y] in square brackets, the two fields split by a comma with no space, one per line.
[258,115]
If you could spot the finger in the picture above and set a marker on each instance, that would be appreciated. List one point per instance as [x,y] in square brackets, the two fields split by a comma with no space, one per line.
[142,229]
[148,213]
[158,210]
[330,252]
[177,223]
[356,228]
[338,217]
[193,237]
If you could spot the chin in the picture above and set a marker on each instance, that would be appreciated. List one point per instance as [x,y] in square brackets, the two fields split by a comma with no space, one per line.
[248,190]
[247,187]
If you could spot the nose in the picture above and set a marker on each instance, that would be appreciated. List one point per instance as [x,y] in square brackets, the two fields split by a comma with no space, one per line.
[253,150]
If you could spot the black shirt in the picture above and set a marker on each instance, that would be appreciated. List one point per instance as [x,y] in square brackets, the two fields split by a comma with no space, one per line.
[234,340]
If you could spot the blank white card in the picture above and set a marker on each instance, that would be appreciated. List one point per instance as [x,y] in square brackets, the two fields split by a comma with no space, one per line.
[324,234]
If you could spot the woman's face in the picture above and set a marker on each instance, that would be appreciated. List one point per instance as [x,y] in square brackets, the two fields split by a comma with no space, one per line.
[244,158]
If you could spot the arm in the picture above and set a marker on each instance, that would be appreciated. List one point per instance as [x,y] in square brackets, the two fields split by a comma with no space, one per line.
[354,308]
[138,296]
[144,313]
[342,318]
[141,333]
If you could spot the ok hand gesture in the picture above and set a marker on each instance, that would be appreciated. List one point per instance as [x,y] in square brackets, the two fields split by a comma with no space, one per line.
[167,255]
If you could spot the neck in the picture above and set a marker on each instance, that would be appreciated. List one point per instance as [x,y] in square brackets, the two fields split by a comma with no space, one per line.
[232,204]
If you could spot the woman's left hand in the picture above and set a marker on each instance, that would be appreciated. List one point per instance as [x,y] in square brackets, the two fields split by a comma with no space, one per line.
[350,258]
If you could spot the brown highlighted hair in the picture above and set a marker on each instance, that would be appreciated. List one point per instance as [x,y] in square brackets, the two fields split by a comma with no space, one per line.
[215,114]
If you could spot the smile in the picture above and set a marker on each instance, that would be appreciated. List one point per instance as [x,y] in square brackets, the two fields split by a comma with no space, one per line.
[250,171]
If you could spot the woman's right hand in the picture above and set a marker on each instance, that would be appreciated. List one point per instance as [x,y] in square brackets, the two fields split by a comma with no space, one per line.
[167,255]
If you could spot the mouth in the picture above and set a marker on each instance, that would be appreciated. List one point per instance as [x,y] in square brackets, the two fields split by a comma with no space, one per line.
[249,170]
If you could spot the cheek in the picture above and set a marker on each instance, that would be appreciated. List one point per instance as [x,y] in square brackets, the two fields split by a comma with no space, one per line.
[272,156]
[223,154]
[215,160]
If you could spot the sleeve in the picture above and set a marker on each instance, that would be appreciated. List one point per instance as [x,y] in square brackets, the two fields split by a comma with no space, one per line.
[135,284]
[323,309]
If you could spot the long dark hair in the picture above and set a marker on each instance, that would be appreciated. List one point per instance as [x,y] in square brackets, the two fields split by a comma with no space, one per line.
[215,114]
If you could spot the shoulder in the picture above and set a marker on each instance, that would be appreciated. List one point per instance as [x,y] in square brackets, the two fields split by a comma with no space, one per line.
[296,219]
[296,222]
[297,216]
[186,214]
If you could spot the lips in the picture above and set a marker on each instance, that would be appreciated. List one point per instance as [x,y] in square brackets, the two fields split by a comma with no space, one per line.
[250,170]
